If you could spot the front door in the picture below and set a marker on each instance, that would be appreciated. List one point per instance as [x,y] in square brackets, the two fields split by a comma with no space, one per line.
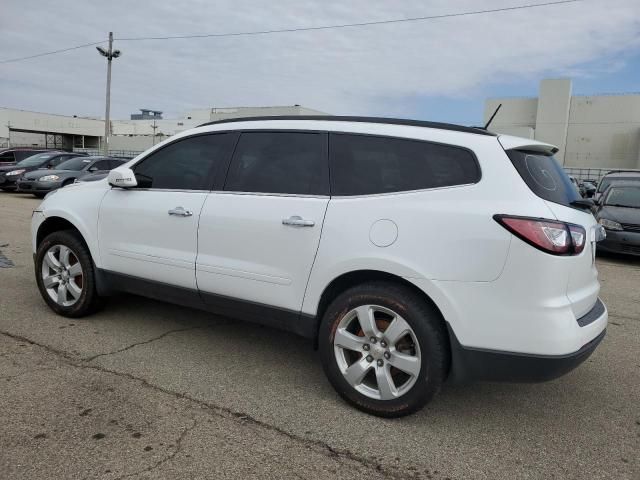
[151,231]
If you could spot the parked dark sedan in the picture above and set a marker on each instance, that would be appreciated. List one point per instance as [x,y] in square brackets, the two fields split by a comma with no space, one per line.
[10,174]
[12,155]
[618,211]
[41,182]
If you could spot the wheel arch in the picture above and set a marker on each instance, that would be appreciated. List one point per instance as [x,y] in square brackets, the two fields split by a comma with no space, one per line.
[356,277]
[56,222]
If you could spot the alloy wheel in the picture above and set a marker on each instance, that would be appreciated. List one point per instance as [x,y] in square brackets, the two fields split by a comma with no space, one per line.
[377,352]
[62,275]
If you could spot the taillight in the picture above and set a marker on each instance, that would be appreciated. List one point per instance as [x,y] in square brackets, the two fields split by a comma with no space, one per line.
[551,236]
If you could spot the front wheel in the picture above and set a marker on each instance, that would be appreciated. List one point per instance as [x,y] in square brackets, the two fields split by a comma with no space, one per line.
[65,274]
[384,349]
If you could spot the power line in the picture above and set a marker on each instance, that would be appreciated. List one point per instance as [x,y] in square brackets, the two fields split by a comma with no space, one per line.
[52,52]
[304,29]
[351,25]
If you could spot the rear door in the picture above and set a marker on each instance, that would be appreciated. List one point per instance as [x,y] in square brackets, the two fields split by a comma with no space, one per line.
[151,231]
[258,237]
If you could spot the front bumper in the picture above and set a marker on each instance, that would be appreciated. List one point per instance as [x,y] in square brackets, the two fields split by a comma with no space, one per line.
[35,186]
[8,183]
[621,242]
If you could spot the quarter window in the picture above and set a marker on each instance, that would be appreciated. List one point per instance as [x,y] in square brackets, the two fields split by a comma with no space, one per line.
[365,165]
[280,162]
[188,164]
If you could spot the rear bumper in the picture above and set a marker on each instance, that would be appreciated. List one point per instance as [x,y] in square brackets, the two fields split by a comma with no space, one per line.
[470,364]
[621,242]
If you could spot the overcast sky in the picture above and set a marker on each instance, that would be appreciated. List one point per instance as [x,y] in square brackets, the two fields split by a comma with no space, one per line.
[440,69]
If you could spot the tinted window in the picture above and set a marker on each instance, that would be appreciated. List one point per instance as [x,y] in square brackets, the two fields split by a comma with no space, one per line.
[7,157]
[77,163]
[365,165]
[187,164]
[21,155]
[100,165]
[606,181]
[37,159]
[115,163]
[544,176]
[280,162]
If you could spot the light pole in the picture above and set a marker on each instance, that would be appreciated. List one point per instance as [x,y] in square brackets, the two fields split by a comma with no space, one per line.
[110,54]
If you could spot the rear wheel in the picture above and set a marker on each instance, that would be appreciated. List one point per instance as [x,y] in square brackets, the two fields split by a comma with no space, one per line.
[384,349]
[65,274]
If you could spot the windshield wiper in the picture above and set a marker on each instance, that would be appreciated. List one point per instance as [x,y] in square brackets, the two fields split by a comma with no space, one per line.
[584,203]
[619,205]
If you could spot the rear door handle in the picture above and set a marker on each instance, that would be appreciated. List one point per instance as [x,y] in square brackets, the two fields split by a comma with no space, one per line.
[297,221]
[180,212]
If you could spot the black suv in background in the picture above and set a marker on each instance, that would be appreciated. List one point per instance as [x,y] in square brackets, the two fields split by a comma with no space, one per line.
[9,174]
[9,156]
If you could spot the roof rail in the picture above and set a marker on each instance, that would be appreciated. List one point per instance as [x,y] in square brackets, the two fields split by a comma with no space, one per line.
[340,118]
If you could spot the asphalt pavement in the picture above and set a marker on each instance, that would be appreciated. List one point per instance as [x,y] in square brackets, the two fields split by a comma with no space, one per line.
[144,389]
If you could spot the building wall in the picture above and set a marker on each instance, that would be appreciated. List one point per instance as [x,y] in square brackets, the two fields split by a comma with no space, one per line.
[601,131]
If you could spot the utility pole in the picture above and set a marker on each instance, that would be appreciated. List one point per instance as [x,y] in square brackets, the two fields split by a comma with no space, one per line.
[154,132]
[109,54]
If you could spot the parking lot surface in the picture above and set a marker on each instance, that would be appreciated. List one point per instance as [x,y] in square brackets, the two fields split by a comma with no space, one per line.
[145,389]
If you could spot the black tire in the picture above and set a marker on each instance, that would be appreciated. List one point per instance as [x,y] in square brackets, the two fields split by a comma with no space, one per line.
[428,327]
[88,301]
[39,195]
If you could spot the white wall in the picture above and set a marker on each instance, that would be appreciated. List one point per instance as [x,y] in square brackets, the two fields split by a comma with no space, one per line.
[600,131]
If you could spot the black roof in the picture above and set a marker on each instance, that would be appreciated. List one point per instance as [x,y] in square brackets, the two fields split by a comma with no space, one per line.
[340,118]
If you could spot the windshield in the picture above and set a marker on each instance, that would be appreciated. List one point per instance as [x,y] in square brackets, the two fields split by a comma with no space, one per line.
[36,159]
[606,181]
[624,197]
[74,164]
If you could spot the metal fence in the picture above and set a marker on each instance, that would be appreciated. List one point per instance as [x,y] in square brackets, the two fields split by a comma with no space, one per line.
[112,153]
[594,174]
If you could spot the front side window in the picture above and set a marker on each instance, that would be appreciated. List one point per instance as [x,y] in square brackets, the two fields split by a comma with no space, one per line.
[7,157]
[280,162]
[187,164]
[367,165]
[100,165]
[77,164]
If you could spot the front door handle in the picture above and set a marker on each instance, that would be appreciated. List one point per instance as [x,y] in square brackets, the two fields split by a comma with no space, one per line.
[180,212]
[297,221]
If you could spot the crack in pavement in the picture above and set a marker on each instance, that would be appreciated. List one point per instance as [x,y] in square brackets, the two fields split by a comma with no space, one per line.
[145,342]
[168,458]
[26,372]
[226,412]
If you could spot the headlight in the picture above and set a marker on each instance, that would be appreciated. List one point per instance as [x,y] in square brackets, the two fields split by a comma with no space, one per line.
[610,224]
[49,178]
[15,172]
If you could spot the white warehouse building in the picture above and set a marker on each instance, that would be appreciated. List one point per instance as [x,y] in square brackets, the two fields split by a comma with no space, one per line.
[592,131]
[24,128]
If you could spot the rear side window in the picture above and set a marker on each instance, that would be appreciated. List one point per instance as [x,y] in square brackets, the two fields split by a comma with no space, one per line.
[544,176]
[7,157]
[365,165]
[280,162]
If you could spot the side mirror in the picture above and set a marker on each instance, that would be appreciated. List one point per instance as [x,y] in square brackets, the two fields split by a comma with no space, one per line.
[596,201]
[122,178]
[93,169]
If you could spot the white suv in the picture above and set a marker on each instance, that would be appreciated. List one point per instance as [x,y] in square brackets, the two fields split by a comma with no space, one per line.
[411,252]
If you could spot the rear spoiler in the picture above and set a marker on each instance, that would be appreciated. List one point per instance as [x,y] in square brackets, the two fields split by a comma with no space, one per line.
[517,143]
